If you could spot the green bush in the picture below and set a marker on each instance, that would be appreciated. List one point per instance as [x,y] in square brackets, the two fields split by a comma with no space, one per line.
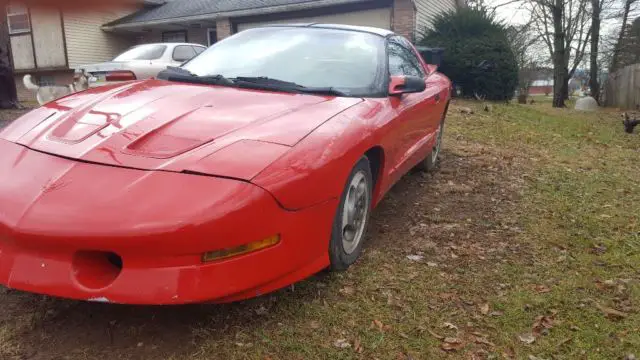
[478,57]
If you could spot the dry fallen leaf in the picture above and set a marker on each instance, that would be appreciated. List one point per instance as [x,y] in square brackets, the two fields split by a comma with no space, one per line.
[378,324]
[484,309]
[415,257]
[347,290]
[262,310]
[509,353]
[450,326]
[564,341]
[531,357]
[451,344]
[314,325]
[527,338]
[484,341]
[612,313]
[439,337]
[357,346]
[543,322]
[342,344]
[542,289]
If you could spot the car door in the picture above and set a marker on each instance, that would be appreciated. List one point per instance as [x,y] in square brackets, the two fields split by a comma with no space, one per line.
[412,118]
[433,99]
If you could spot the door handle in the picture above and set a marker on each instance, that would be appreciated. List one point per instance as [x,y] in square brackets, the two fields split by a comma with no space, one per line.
[437,98]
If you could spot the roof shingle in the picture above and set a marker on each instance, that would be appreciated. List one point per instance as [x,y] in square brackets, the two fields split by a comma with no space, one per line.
[173,9]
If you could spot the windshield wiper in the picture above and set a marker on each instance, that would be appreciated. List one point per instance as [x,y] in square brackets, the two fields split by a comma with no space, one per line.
[322,90]
[183,75]
[268,83]
[263,80]
[180,70]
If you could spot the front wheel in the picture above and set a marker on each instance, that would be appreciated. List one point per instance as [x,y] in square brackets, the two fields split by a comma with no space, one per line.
[352,218]
[431,161]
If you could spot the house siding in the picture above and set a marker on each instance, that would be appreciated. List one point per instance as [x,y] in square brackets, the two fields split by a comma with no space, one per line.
[426,10]
[87,43]
[48,41]
[22,52]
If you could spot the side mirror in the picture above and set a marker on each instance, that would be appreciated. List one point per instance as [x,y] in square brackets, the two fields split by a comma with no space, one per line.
[399,85]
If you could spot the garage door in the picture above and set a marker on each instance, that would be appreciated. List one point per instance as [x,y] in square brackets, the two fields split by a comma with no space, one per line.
[380,18]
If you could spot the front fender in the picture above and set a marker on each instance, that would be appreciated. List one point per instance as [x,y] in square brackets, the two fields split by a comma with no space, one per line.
[316,169]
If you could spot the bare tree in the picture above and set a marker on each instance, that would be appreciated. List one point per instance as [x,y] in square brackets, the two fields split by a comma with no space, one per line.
[524,42]
[594,84]
[564,26]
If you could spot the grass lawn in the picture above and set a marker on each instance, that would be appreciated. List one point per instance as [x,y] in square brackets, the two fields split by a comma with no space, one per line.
[525,244]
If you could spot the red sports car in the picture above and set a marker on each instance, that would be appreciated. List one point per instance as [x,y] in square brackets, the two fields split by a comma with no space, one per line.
[253,166]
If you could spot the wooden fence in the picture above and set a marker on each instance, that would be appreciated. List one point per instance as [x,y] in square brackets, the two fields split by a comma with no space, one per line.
[622,89]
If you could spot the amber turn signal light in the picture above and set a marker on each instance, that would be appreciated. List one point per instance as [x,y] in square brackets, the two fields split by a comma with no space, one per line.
[240,250]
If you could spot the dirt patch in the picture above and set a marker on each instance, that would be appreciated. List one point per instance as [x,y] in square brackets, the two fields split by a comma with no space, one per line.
[7,116]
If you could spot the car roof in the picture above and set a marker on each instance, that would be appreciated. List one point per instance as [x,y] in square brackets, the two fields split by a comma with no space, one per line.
[366,29]
[171,44]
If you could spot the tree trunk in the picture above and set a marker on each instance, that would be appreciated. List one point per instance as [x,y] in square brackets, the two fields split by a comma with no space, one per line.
[559,60]
[594,70]
[617,48]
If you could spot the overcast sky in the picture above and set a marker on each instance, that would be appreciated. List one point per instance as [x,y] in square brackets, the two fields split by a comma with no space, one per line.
[511,13]
[514,14]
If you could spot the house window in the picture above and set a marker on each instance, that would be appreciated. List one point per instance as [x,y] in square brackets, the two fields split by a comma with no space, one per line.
[174,37]
[46,80]
[18,19]
[212,36]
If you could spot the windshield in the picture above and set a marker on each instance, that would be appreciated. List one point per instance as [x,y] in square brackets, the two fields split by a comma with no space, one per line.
[349,61]
[142,52]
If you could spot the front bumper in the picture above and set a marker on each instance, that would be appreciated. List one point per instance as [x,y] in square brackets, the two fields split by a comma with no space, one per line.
[59,216]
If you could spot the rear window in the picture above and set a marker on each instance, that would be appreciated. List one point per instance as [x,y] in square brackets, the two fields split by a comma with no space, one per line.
[183,53]
[142,52]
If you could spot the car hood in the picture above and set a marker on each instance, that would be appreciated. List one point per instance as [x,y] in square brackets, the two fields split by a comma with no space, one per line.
[161,125]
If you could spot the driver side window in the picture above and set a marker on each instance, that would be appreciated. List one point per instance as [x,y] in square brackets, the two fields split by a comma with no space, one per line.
[402,61]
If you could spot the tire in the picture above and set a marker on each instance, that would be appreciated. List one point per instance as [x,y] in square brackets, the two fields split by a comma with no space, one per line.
[431,161]
[345,246]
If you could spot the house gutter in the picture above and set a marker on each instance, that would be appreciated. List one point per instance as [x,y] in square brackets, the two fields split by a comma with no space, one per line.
[236,13]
